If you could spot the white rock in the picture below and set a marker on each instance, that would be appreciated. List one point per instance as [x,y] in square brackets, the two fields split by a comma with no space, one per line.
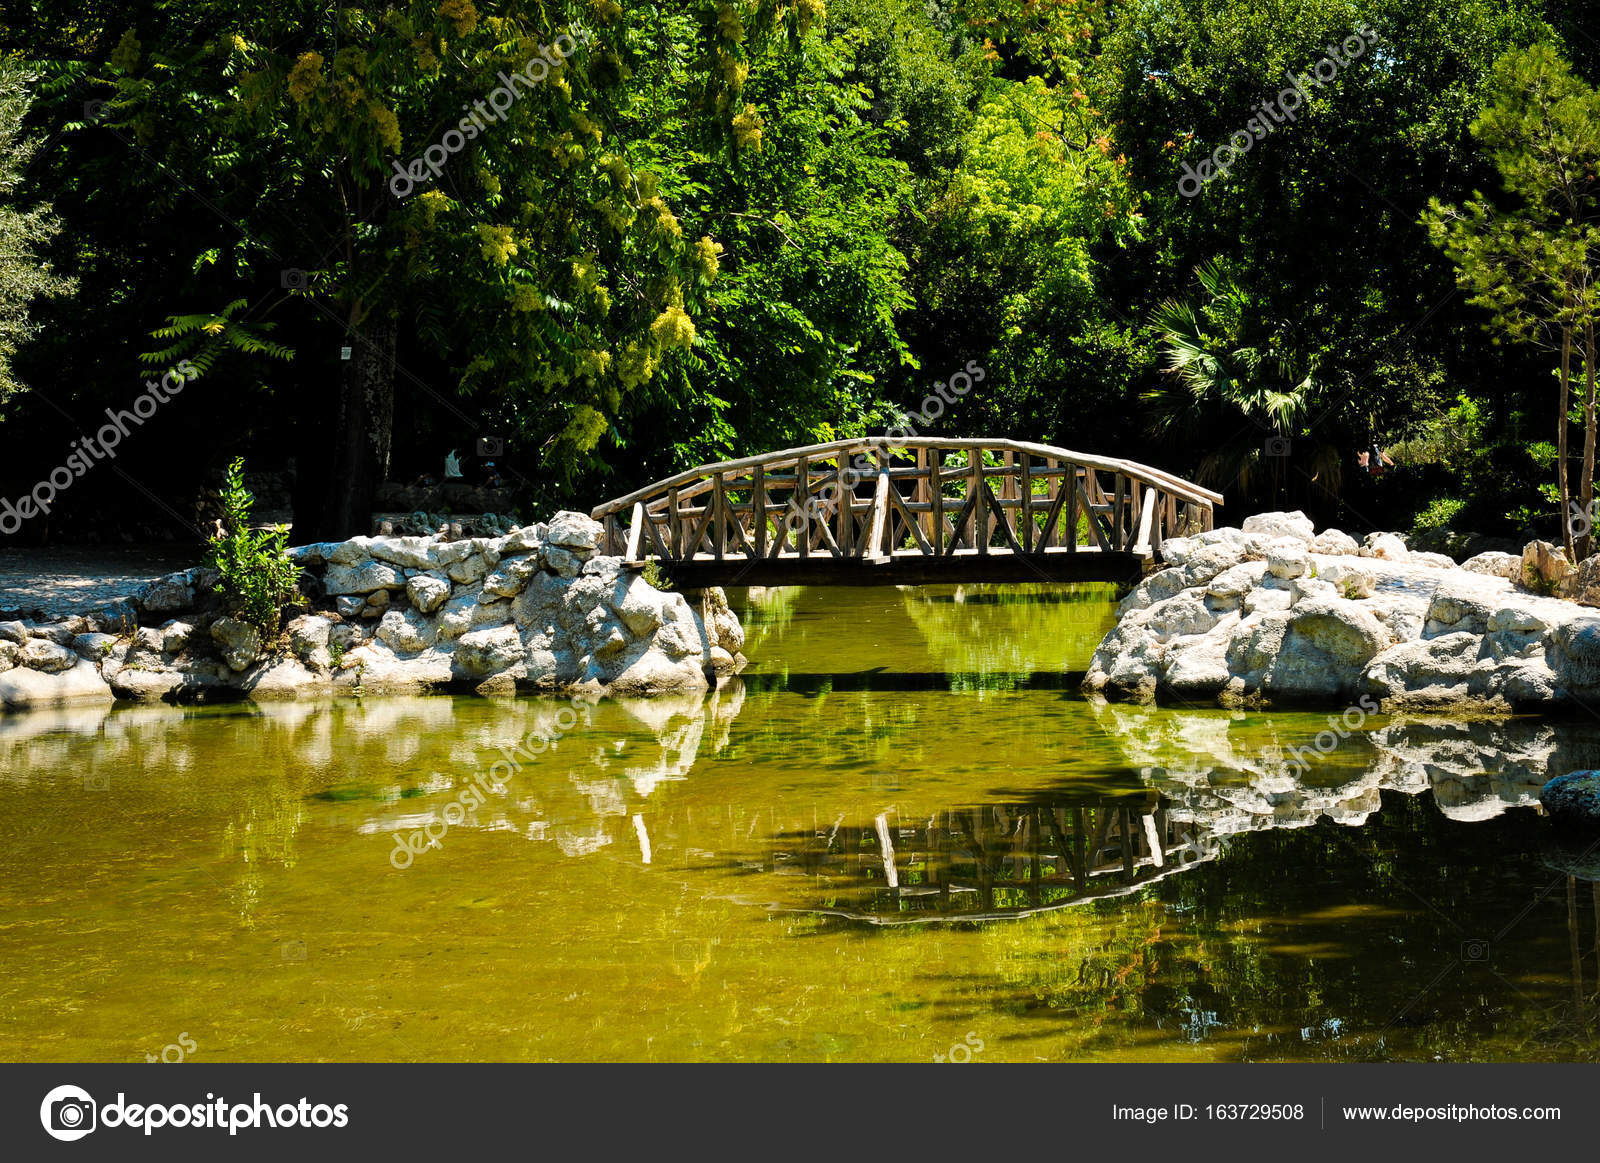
[46,657]
[1506,565]
[1334,542]
[428,591]
[1294,525]
[175,636]
[360,579]
[1388,546]
[239,642]
[1287,559]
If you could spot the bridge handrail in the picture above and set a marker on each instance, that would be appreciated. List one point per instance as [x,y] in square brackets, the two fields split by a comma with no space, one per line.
[1177,486]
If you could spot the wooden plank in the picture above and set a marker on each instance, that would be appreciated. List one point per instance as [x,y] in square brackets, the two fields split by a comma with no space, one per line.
[976,489]
[1053,516]
[800,499]
[674,523]
[955,528]
[936,500]
[758,504]
[636,532]
[1144,542]
[846,517]
[880,513]
[1090,519]
[719,522]
[1025,513]
[1004,526]
[1118,534]
[911,524]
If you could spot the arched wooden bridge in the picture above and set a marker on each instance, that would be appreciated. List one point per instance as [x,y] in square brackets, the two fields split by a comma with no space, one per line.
[910,511]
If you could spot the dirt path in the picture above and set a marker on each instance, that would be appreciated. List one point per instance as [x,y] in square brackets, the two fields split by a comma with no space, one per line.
[72,580]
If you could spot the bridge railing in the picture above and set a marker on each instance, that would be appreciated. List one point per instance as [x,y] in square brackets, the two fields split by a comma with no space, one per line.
[871,498]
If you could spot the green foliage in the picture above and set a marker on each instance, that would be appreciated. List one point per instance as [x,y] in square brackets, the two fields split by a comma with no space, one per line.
[655,577]
[25,230]
[258,578]
[1440,514]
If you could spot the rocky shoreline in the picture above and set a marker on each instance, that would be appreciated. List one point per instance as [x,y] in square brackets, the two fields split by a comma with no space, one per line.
[1275,613]
[535,610]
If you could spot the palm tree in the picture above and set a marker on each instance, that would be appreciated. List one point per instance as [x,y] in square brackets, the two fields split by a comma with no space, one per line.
[1239,391]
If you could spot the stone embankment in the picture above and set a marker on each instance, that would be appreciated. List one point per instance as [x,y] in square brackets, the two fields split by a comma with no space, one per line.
[1276,613]
[535,610]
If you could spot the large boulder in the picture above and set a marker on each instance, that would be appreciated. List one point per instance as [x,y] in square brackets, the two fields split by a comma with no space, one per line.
[1583,583]
[237,641]
[46,657]
[361,579]
[1544,567]
[1334,542]
[428,591]
[1573,798]
[22,688]
[1296,526]
[167,594]
[1495,564]
[406,552]
[481,653]
[575,531]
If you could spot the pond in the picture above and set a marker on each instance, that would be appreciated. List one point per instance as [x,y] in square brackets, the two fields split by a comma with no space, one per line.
[903,836]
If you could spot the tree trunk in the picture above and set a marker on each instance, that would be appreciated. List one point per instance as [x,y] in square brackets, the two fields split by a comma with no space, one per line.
[1586,485]
[1561,440]
[362,433]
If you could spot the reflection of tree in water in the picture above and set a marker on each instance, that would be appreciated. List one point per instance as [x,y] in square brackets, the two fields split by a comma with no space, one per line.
[987,634]
[260,835]
[992,861]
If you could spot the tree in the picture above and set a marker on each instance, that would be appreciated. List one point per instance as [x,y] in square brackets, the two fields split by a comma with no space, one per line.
[1238,386]
[429,177]
[24,229]
[1533,259]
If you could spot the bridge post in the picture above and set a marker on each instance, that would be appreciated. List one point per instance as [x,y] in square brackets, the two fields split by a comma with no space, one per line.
[758,508]
[980,520]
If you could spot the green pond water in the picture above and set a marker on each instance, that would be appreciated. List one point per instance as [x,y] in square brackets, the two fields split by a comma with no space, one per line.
[903,836]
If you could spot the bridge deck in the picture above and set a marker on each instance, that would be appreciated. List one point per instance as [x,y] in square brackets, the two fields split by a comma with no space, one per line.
[910,568]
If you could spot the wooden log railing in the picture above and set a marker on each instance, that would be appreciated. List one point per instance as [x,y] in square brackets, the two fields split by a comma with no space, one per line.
[872,500]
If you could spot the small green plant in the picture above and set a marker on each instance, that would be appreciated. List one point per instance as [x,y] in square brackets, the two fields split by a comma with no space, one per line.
[336,653]
[258,579]
[655,576]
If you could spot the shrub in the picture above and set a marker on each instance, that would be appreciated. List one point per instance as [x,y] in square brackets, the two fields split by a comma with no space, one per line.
[258,579]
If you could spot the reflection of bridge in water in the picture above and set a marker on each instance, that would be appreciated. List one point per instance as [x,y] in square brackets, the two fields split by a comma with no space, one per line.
[996,861]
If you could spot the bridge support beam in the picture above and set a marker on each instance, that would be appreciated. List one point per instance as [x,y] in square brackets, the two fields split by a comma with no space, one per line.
[910,570]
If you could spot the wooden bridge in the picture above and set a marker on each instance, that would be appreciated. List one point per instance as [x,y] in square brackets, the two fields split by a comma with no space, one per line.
[871,511]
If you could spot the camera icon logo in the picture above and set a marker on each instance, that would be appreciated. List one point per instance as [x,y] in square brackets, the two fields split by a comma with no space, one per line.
[68,1113]
[1476,949]
[491,446]
[94,111]
[294,279]
[97,781]
[292,951]
[1277,446]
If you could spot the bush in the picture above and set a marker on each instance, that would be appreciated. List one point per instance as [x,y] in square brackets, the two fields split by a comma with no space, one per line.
[258,579]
